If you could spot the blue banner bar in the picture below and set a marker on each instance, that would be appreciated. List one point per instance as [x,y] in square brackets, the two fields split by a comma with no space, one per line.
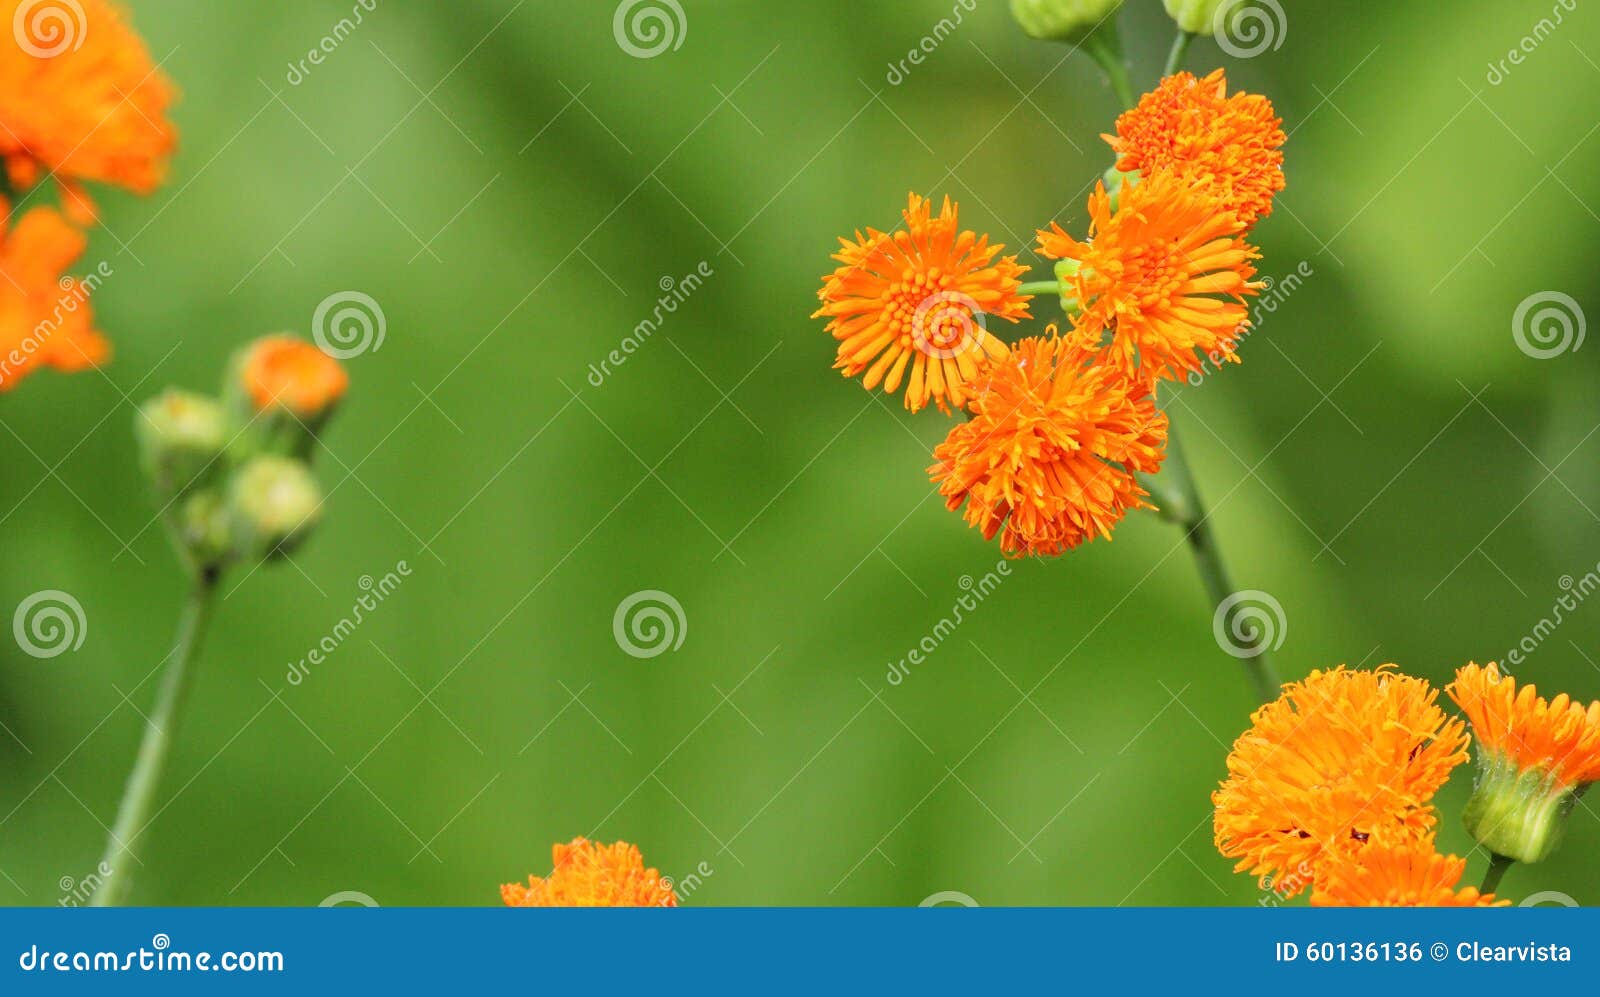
[760,951]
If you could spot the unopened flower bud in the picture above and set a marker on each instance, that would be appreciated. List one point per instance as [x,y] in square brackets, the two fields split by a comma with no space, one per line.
[1517,813]
[1066,272]
[273,502]
[1198,17]
[203,529]
[181,436]
[287,389]
[1062,20]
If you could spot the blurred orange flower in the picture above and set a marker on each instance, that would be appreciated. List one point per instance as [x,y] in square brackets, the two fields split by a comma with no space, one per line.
[1149,273]
[45,318]
[916,297]
[1402,873]
[283,370]
[589,875]
[1227,147]
[1049,456]
[1334,760]
[80,100]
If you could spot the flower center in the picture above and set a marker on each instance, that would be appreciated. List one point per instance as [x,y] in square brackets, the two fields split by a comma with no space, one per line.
[1154,273]
[925,314]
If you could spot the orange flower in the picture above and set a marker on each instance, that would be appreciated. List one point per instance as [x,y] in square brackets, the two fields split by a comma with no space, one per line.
[283,370]
[1334,760]
[1050,453]
[1149,273]
[81,100]
[1402,873]
[1534,758]
[588,875]
[917,298]
[1559,739]
[1229,147]
[45,319]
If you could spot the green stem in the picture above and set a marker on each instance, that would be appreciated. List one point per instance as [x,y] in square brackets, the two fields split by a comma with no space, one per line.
[1106,49]
[1498,864]
[1180,48]
[1041,287]
[1196,522]
[133,814]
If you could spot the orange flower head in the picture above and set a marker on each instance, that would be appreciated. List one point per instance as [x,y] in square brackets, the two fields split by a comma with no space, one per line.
[1150,275]
[81,100]
[590,875]
[1534,758]
[917,298]
[1336,759]
[45,318]
[1559,739]
[292,373]
[1049,456]
[1229,147]
[1399,873]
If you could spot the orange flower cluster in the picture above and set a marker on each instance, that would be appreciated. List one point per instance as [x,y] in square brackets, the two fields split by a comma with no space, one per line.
[1060,426]
[1560,740]
[1048,458]
[917,297]
[1334,761]
[80,101]
[44,316]
[1332,786]
[590,875]
[1535,758]
[1403,873]
[1227,147]
[1146,278]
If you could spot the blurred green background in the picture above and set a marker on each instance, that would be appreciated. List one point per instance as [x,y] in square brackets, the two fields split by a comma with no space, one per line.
[512,187]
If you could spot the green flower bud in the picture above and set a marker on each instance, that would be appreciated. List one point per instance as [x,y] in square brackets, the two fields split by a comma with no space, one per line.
[181,437]
[273,503]
[1062,20]
[1066,271]
[1198,17]
[204,530]
[1517,814]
